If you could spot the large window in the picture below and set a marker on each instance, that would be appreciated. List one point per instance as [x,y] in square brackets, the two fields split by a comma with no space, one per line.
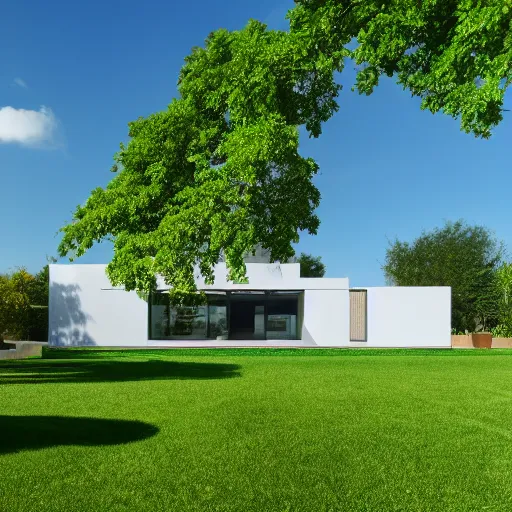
[168,323]
[227,315]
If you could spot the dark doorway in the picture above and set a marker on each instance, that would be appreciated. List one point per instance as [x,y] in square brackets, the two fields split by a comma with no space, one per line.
[247,317]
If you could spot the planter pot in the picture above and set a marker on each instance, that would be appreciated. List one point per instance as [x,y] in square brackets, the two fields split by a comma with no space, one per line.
[482,340]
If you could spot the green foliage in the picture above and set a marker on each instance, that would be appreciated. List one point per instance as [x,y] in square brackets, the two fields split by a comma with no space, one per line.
[456,55]
[502,331]
[23,304]
[219,171]
[311,266]
[504,280]
[466,258]
[38,294]
[15,303]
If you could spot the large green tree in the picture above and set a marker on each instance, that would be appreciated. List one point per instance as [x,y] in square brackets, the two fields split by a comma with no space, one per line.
[219,171]
[464,257]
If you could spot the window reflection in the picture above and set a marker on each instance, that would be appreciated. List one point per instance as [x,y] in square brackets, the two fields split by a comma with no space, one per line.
[218,318]
[282,318]
[159,315]
[169,322]
[188,322]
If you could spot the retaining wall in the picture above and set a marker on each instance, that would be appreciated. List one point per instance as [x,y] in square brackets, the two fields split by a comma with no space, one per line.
[22,350]
[465,341]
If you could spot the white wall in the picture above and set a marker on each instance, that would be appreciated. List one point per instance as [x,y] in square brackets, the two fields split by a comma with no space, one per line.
[326,321]
[409,317]
[86,311]
[273,276]
[259,275]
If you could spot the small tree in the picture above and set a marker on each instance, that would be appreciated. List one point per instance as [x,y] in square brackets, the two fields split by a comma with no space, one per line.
[504,280]
[24,304]
[311,266]
[466,258]
[15,303]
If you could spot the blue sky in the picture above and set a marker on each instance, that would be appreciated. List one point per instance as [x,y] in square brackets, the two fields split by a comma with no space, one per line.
[83,70]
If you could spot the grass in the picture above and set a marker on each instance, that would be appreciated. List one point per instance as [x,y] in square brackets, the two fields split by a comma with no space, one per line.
[257,430]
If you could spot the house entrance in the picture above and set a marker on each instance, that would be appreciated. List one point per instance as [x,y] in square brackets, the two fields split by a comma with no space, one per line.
[247,316]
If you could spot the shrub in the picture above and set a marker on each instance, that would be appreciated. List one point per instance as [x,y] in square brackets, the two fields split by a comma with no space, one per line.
[502,331]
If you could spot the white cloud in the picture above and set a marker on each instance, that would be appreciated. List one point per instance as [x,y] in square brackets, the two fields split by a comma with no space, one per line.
[28,127]
[21,83]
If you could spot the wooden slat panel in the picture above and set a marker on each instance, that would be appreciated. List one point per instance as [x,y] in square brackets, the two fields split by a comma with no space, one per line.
[358,315]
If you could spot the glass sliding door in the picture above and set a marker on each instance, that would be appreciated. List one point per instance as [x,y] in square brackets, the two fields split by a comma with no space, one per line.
[282,313]
[247,315]
[218,326]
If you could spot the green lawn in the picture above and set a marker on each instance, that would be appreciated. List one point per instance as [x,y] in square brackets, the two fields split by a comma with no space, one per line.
[249,430]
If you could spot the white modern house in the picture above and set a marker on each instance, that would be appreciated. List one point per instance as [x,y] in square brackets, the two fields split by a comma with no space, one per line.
[275,308]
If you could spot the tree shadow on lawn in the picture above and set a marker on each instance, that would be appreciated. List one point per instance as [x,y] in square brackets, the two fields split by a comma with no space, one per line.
[42,371]
[37,432]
